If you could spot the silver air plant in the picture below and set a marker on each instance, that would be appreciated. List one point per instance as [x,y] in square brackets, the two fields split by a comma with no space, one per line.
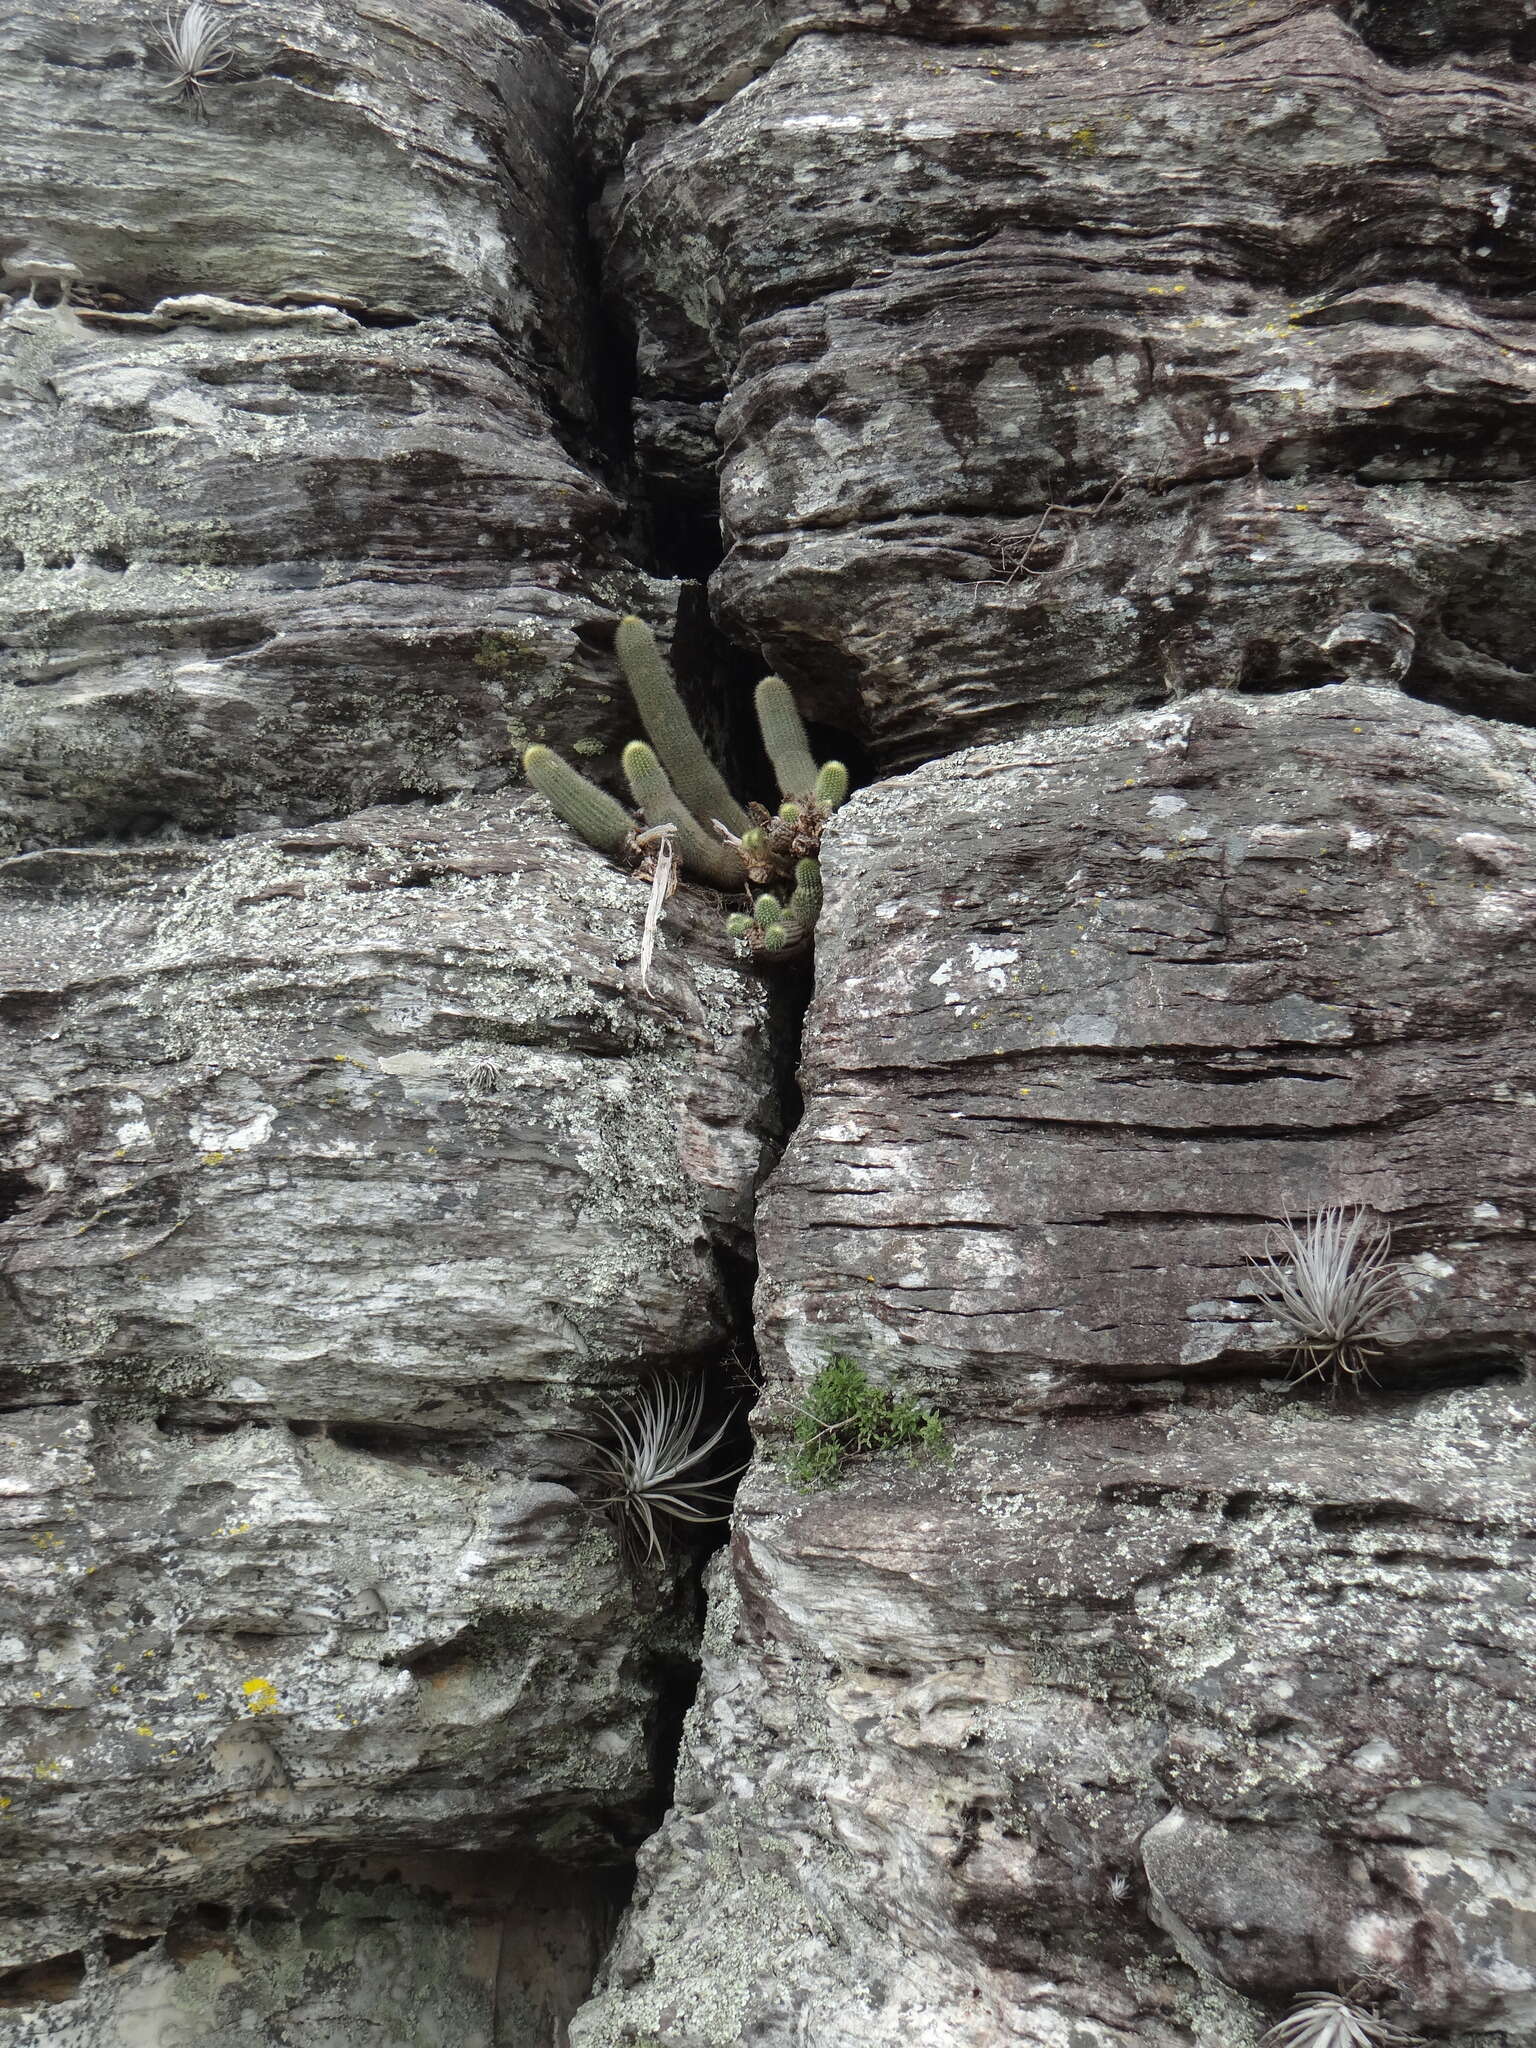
[1327,2019]
[195,44]
[650,1466]
[1328,1280]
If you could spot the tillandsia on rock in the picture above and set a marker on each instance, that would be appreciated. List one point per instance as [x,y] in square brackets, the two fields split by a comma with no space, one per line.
[196,46]
[1328,2019]
[651,1467]
[739,848]
[1328,1280]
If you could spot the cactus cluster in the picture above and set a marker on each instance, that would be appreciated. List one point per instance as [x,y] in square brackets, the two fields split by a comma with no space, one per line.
[733,847]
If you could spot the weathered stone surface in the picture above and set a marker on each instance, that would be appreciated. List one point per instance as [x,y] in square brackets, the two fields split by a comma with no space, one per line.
[342,1167]
[289,524]
[1177,1690]
[437,1952]
[1074,356]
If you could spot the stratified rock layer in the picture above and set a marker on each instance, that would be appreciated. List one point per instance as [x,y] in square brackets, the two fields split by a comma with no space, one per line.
[438,1951]
[342,1168]
[1067,355]
[288,527]
[1177,1690]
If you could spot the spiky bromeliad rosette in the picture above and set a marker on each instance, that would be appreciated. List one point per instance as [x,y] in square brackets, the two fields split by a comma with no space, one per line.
[746,849]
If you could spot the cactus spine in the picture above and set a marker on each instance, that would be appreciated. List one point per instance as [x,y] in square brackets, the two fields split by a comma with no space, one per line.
[691,772]
[589,811]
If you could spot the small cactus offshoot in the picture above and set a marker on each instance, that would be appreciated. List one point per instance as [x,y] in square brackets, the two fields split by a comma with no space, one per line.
[778,928]
[730,846]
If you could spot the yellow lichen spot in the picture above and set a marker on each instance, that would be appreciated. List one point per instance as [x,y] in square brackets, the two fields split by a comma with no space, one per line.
[145,1730]
[203,1695]
[50,1767]
[4,1801]
[260,1695]
[213,1159]
[1303,508]
[1083,141]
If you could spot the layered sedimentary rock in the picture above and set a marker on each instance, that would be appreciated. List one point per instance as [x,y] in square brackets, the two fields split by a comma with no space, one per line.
[1178,1688]
[344,1166]
[1067,355]
[295,383]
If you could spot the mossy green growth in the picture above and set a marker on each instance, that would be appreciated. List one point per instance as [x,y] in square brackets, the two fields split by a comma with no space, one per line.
[846,1415]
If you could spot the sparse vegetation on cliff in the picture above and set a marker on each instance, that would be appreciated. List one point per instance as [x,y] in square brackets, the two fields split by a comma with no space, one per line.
[1327,1279]
[846,1415]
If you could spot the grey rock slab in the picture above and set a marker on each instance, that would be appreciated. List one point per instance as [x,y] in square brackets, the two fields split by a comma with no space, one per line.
[403,160]
[277,565]
[444,1951]
[1285,941]
[1174,1690]
[298,407]
[344,1167]
[1084,356]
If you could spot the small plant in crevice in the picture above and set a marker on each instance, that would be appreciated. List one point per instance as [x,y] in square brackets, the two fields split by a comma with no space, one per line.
[650,1467]
[845,1415]
[196,45]
[1328,2019]
[737,848]
[1329,1281]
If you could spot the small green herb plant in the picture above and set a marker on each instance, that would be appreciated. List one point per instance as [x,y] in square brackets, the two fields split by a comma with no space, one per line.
[845,1415]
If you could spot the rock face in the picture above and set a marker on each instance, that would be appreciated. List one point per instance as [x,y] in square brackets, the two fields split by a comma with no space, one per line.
[295,516]
[1176,1690]
[343,1168]
[1066,355]
[1140,387]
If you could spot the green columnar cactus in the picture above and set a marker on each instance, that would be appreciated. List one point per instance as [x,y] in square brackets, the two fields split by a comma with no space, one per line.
[690,770]
[589,811]
[831,785]
[778,719]
[675,783]
[805,904]
[662,805]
